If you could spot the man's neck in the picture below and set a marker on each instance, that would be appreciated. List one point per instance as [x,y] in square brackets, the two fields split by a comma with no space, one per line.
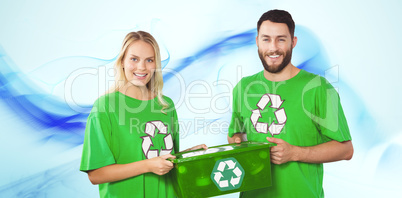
[287,73]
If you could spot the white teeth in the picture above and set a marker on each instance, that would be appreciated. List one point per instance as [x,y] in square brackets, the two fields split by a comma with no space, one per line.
[140,75]
[276,56]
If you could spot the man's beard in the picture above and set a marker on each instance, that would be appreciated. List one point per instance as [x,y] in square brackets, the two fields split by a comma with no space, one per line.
[272,69]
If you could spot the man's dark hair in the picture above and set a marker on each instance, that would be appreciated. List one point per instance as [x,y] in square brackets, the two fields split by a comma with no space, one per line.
[278,16]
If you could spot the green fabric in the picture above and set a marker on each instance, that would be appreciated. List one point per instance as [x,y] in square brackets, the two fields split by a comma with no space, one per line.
[115,133]
[313,116]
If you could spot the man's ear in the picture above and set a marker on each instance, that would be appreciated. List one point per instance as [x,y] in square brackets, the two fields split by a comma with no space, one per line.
[294,42]
[256,40]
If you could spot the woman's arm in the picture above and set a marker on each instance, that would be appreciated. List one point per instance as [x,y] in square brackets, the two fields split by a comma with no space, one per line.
[201,146]
[116,172]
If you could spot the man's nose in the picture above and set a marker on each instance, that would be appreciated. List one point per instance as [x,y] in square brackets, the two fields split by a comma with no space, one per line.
[273,47]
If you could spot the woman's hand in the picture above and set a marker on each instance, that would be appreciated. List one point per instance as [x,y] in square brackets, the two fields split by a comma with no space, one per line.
[201,146]
[160,165]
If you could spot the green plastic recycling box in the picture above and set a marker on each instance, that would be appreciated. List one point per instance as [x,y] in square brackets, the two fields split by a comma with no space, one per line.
[222,169]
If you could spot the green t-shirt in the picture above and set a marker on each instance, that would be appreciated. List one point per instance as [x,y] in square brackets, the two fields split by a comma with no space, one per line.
[303,111]
[121,130]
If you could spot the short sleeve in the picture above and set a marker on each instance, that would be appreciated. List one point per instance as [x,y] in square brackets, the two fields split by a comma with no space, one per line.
[96,151]
[236,122]
[331,118]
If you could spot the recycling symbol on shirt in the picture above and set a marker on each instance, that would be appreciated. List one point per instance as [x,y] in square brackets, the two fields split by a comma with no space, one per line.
[150,130]
[273,128]
[227,174]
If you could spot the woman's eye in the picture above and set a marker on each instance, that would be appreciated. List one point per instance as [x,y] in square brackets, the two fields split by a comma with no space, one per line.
[134,59]
[150,60]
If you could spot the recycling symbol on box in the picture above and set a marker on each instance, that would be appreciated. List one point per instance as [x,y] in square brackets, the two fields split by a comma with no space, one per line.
[227,174]
[273,128]
[150,130]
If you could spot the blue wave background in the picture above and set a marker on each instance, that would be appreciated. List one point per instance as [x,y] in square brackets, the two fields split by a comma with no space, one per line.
[54,64]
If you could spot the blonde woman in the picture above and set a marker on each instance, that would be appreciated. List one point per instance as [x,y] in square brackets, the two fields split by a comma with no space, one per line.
[132,130]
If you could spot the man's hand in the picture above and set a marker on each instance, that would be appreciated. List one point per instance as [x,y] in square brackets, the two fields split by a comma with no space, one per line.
[237,138]
[283,152]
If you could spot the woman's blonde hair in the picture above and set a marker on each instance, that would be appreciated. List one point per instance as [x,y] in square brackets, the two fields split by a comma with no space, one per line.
[155,85]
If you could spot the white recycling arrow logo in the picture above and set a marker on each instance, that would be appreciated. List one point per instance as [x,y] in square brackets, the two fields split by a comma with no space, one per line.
[273,128]
[227,174]
[150,130]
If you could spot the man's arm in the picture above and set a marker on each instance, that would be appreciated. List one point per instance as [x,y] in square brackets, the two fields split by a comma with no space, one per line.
[326,152]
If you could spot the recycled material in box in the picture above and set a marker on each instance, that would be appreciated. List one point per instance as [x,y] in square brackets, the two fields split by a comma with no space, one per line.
[222,169]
